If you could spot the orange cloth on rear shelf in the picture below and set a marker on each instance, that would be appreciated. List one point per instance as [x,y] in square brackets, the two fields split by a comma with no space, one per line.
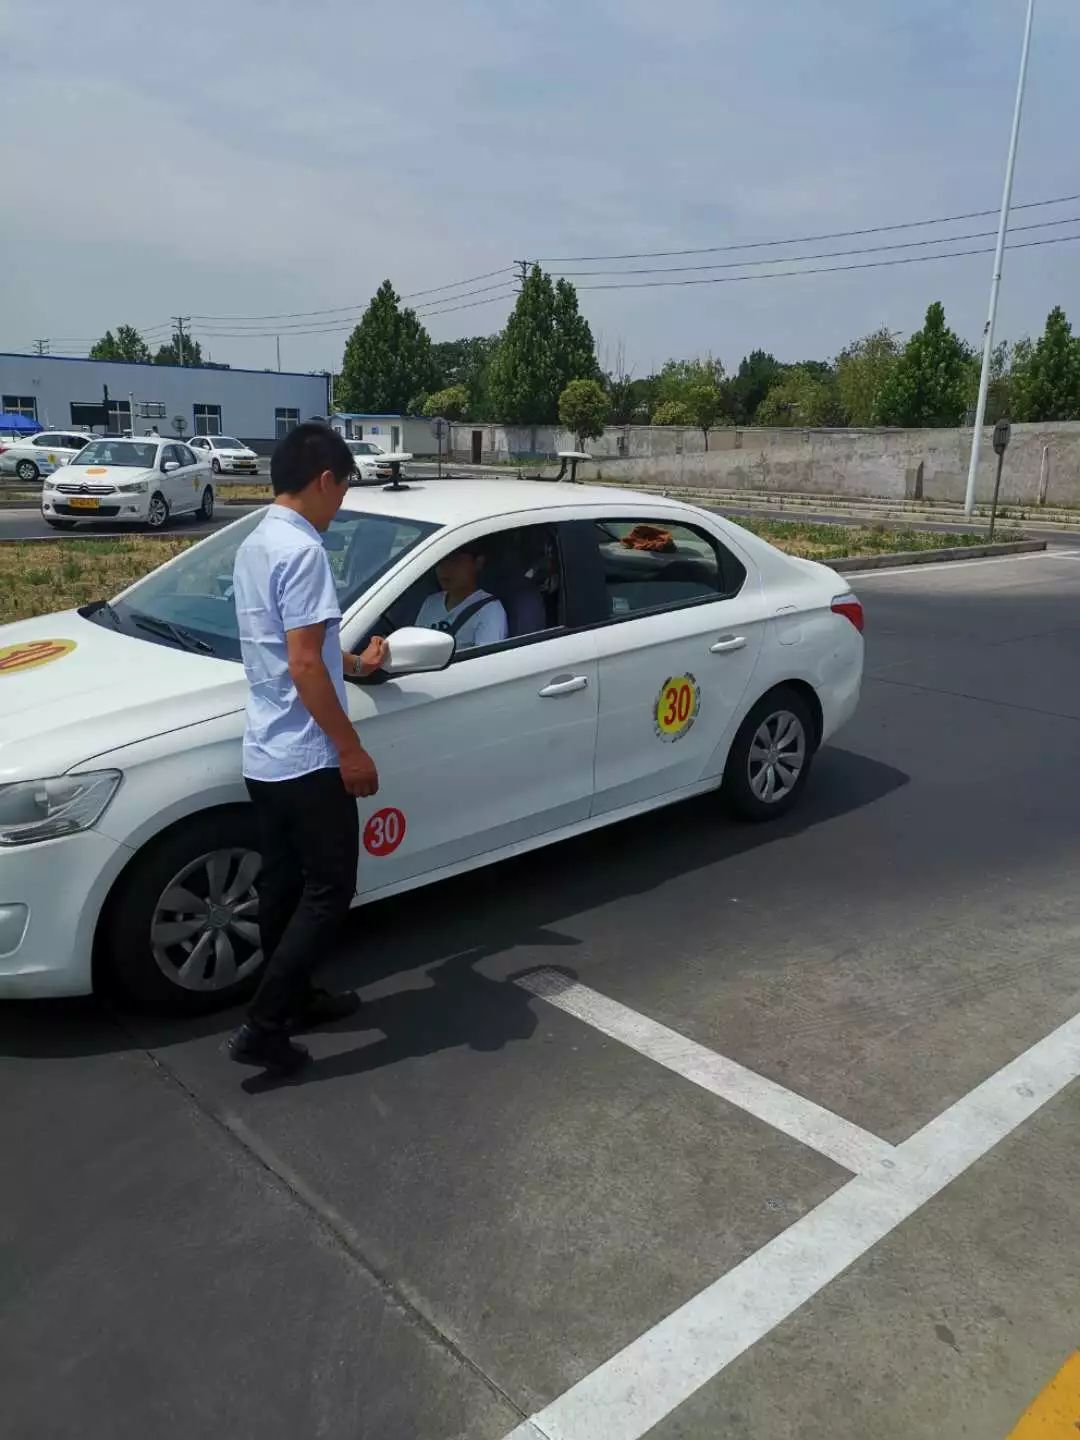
[648,537]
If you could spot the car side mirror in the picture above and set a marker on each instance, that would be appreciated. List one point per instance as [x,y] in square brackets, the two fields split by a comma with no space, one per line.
[415,651]
[169,466]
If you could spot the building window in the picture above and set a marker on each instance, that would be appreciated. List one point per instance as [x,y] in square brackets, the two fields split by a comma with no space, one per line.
[207,419]
[24,405]
[284,421]
[89,413]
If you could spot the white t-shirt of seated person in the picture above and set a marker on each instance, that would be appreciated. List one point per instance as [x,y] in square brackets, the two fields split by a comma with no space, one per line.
[487,627]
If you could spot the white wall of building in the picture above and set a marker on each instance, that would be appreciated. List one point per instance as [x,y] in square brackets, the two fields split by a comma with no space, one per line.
[248,399]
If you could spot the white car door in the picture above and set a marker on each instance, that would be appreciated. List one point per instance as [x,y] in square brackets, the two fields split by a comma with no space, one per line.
[683,620]
[173,484]
[496,749]
[194,476]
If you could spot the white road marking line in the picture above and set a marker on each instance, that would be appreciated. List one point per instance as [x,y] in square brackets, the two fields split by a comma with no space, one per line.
[849,1145]
[633,1391]
[964,564]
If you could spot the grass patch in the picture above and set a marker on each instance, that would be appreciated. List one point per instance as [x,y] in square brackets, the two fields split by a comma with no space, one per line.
[244,492]
[836,542]
[37,579]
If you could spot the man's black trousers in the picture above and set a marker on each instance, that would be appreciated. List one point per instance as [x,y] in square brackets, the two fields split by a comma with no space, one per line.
[310,846]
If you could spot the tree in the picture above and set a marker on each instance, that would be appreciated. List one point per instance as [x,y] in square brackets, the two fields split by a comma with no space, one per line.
[705,401]
[804,396]
[387,360]
[861,372]
[450,403]
[127,344]
[758,372]
[1046,376]
[679,377]
[672,412]
[545,345]
[583,408]
[170,354]
[928,384]
[466,362]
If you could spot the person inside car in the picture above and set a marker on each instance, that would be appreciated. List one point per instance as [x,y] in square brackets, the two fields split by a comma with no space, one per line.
[460,607]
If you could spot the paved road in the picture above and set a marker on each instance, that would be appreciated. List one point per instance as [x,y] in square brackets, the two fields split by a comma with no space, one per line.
[480,1196]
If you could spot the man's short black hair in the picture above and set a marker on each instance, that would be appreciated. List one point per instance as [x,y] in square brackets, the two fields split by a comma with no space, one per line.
[304,453]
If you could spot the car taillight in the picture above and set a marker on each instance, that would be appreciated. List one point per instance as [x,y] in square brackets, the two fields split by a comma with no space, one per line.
[851,608]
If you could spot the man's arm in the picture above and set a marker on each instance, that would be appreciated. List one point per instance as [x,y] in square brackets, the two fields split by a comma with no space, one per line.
[316,690]
[370,659]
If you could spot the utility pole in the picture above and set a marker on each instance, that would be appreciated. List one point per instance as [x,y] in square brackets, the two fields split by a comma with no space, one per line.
[278,338]
[41,347]
[180,321]
[523,270]
[995,283]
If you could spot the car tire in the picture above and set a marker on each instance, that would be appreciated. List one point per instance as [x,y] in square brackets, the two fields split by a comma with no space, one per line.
[215,466]
[27,470]
[146,937]
[157,513]
[778,735]
[206,506]
[60,524]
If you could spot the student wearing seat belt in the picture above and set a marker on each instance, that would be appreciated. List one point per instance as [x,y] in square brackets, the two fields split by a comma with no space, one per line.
[460,607]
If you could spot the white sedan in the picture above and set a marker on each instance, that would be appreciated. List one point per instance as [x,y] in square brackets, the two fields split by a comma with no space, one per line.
[653,652]
[144,482]
[364,453]
[35,455]
[225,454]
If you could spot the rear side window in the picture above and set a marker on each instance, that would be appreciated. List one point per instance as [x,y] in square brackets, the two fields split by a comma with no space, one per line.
[658,565]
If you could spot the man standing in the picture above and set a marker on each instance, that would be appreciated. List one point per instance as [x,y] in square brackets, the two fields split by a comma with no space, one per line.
[303,763]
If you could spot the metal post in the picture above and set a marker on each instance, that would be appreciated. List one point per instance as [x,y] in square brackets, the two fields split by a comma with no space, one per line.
[995,283]
[278,338]
[1044,474]
[997,487]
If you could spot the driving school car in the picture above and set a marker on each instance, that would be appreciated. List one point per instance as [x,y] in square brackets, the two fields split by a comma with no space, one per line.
[653,651]
[146,482]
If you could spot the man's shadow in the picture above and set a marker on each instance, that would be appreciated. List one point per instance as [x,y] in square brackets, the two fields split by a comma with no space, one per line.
[458,1008]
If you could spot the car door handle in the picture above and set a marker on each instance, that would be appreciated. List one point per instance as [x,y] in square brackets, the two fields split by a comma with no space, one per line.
[726,643]
[564,685]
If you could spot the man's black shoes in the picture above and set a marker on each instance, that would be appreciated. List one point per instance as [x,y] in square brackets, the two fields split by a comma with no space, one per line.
[269,1050]
[323,1007]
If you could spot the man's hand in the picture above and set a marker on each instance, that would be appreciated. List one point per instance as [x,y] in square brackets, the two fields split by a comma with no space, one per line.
[374,656]
[358,773]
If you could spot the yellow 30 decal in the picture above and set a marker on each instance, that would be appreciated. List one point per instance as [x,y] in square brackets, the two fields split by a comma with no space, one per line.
[32,653]
[677,706]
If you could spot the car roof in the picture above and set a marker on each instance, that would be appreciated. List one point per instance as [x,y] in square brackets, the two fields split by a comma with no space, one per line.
[457,502]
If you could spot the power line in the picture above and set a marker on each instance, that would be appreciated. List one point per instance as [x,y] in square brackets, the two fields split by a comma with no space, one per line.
[819,255]
[830,269]
[802,239]
[336,326]
[338,309]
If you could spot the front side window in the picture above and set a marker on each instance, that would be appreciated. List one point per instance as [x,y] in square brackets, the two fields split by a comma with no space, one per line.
[47,441]
[186,457]
[207,419]
[659,565]
[196,592]
[24,405]
[119,452]
[227,442]
[284,421]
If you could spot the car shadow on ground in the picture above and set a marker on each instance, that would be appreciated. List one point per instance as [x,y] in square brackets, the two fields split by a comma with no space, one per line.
[463,921]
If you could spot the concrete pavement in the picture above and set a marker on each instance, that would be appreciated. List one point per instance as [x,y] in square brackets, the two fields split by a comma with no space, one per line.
[477,1197]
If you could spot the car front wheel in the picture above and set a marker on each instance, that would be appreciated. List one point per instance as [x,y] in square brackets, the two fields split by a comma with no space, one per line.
[770,757]
[157,513]
[181,932]
[206,508]
[26,470]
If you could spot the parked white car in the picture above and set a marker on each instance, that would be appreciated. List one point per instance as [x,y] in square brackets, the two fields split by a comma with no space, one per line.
[143,482]
[225,454]
[367,469]
[654,652]
[40,454]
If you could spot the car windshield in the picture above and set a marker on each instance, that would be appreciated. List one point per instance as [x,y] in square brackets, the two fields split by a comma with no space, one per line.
[118,452]
[363,447]
[227,442]
[194,593]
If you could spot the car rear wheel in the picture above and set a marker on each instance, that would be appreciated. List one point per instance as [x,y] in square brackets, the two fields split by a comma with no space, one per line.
[60,524]
[206,508]
[27,470]
[770,758]
[157,513]
[181,932]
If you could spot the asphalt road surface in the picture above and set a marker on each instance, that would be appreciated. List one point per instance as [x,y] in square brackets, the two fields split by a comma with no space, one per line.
[683,1129]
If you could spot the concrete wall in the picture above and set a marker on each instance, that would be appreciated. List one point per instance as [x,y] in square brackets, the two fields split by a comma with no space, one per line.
[836,462]
[248,398]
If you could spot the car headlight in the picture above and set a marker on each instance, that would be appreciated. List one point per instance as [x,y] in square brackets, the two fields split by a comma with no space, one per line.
[34,810]
[136,487]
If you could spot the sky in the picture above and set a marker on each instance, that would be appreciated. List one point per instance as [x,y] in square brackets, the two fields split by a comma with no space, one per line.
[251,158]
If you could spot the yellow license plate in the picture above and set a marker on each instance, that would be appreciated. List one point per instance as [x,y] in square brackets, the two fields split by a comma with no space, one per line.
[84,502]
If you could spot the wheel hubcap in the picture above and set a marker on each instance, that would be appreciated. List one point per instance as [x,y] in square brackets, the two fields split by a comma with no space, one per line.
[777,756]
[156,514]
[204,932]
